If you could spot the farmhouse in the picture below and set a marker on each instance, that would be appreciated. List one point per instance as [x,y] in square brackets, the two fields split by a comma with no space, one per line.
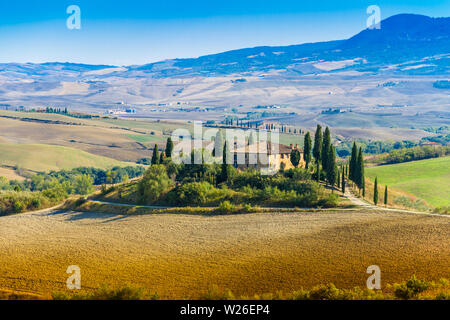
[266,155]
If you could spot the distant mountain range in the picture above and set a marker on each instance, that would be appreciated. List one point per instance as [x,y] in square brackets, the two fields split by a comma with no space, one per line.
[405,43]
[398,64]
[401,38]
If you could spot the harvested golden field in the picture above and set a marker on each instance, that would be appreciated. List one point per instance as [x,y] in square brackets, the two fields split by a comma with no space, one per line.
[183,255]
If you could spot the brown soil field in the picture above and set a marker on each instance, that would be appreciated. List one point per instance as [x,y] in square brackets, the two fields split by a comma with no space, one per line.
[10,174]
[183,255]
[107,142]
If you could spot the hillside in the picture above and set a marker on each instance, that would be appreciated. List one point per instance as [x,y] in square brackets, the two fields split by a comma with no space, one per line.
[426,179]
[40,157]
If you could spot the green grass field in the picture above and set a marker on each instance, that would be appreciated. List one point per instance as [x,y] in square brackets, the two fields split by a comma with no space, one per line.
[146,138]
[426,179]
[41,157]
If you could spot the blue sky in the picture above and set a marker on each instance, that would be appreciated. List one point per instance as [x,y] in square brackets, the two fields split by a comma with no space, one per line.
[136,32]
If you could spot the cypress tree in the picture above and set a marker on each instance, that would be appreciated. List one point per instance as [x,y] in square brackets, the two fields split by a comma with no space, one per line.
[364,188]
[332,168]
[169,147]
[359,174]
[338,183]
[326,148]
[375,192]
[343,181]
[225,167]
[295,157]
[161,157]
[218,144]
[307,149]
[251,139]
[317,150]
[353,163]
[385,195]
[155,155]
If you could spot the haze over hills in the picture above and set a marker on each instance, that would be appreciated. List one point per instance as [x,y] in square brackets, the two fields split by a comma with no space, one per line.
[398,64]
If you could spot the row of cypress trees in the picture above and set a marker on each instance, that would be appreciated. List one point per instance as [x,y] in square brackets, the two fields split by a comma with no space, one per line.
[324,154]
[375,193]
[157,157]
[356,174]
[356,168]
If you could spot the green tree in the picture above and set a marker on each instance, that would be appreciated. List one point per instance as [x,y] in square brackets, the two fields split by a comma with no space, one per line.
[385,195]
[154,183]
[307,149]
[161,157]
[226,168]
[83,184]
[353,163]
[332,168]
[317,150]
[169,147]
[343,181]
[359,174]
[251,138]
[218,144]
[338,183]
[155,155]
[109,178]
[295,157]
[326,143]
[375,192]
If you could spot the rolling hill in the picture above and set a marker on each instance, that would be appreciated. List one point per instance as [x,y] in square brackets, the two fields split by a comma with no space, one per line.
[426,179]
[40,157]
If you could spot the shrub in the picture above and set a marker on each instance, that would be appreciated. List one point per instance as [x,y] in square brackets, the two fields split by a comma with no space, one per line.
[410,203]
[214,293]
[106,293]
[80,201]
[248,208]
[225,207]
[154,184]
[194,193]
[18,206]
[326,292]
[202,193]
[36,203]
[329,202]
[411,288]
[442,210]
[443,296]
[83,184]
